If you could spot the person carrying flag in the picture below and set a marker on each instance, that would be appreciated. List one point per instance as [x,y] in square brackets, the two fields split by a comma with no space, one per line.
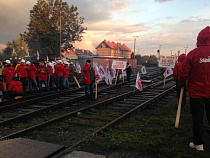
[176,76]
[196,71]
[89,78]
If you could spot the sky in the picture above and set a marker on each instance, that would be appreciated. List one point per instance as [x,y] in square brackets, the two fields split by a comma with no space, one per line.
[170,25]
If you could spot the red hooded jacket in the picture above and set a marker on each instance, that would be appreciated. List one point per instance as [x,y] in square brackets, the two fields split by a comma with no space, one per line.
[50,70]
[7,73]
[178,66]
[86,74]
[42,76]
[15,86]
[59,69]
[31,71]
[22,71]
[66,71]
[196,67]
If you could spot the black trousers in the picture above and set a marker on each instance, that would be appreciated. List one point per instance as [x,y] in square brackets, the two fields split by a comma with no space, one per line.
[197,111]
[23,80]
[128,78]
[178,90]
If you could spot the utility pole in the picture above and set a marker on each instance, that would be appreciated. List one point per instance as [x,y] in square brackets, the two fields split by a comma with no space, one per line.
[186,49]
[135,44]
[171,52]
[60,34]
[159,51]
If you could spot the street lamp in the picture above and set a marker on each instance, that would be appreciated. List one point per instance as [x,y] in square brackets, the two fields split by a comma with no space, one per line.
[135,44]
[171,52]
[159,50]
[186,49]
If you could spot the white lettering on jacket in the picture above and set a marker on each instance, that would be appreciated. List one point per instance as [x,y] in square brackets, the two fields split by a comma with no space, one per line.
[205,60]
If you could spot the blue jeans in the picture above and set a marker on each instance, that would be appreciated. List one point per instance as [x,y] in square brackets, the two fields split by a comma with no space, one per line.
[66,81]
[46,84]
[89,90]
[59,79]
[30,83]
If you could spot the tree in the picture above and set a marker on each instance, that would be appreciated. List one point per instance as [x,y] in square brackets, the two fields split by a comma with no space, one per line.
[44,27]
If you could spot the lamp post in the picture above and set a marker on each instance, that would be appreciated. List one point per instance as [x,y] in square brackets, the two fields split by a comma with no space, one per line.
[171,52]
[60,34]
[159,50]
[186,49]
[135,44]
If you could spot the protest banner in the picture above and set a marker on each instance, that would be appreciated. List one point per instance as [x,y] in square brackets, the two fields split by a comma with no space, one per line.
[119,64]
[167,62]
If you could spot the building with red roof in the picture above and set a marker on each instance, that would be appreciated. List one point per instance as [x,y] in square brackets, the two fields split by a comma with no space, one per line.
[107,48]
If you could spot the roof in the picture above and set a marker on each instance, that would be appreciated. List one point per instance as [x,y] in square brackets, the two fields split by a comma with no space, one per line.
[76,52]
[114,45]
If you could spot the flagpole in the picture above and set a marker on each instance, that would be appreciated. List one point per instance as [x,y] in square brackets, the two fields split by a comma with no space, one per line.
[179,108]
[165,78]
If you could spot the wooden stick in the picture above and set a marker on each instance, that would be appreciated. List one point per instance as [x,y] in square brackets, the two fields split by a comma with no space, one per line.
[4,84]
[179,108]
[164,79]
[116,78]
[123,76]
[49,80]
[96,89]
[77,82]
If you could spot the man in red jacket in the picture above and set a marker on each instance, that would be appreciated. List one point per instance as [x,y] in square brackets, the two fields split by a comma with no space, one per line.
[66,75]
[176,76]
[59,74]
[15,88]
[89,79]
[22,73]
[43,73]
[8,72]
[196,70]
[31,75]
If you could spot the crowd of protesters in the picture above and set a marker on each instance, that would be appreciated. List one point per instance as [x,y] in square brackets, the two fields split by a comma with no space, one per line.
[14,75]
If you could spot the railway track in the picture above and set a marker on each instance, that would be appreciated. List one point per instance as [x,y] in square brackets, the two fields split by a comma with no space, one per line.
[108,111]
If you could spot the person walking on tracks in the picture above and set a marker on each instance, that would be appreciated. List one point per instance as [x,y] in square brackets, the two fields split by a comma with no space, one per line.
[59,68]
[176,75]
[196,70]
[66,75]
[89,79]
[43,73]
[31,75]
[128,71]
[8,72]
[22,73]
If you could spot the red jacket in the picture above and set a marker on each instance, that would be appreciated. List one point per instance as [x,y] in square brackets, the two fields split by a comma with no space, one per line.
[42,76]
[7,73]
[50,70]
[86,74]
[119,71]
[31,71]
[15,86]
[196,67]
[22,71]
[66,71]
[59,69]
[178,66]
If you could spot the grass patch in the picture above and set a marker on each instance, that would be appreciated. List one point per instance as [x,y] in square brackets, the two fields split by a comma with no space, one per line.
[153,132]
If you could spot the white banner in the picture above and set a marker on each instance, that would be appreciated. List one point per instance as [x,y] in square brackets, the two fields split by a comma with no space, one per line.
[119,64]
[167,62]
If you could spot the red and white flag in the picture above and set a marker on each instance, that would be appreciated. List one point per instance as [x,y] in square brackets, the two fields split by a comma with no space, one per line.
[168,72]
[124,73]
[78,68]
[47,59]
[138,82]
[101,71]
[27,52]
[37,55]
[108,77]
[99,77]
[14,52]
[113,72]
[55,60]
[143,70]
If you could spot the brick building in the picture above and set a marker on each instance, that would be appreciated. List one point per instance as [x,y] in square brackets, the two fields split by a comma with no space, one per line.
[107,48]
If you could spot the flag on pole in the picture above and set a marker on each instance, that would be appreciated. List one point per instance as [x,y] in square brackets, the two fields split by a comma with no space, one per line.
[108,77]
[98,74]
[47,59]
[14,52]
[168,72]
[78,68]
[27,52]
[37,55]
[124,73]
[101,71]
[138,82]
[55,60]
[143,70]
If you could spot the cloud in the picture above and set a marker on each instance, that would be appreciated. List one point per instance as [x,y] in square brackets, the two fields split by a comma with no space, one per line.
[162,0]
